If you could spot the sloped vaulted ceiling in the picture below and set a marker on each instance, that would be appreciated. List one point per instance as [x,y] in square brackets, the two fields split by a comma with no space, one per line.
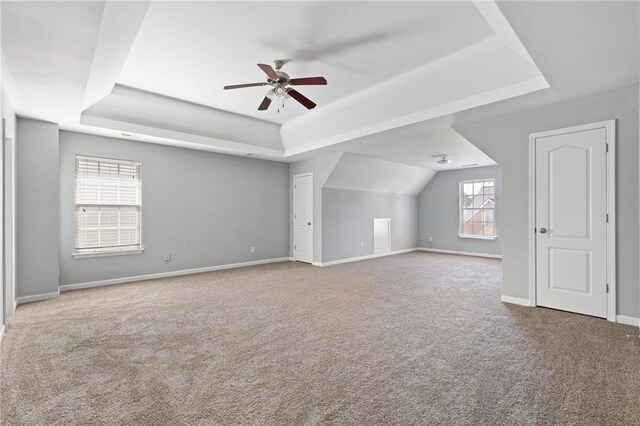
[360,173]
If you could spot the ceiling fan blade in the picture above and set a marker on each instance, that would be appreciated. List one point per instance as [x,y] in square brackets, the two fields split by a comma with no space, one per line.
[268,70]
[308,103]
[240,86]
[308,81]
[265,104]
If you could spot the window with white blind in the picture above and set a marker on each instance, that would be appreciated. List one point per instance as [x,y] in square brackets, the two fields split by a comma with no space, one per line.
[108,206]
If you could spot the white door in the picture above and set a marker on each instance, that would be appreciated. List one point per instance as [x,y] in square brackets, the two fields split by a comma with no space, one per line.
[381,235]
[571,221]
[303,217]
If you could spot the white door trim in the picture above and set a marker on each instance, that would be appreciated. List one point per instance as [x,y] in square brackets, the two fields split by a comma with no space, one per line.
[293,221]
[388,221]
[610,126]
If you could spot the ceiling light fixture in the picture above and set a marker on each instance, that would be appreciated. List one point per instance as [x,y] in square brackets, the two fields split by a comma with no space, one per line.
[444,159]
[281,83]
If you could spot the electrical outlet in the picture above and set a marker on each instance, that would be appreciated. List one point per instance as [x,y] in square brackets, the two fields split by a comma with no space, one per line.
[430,239]
[253,249]
[167,257]
[361,244]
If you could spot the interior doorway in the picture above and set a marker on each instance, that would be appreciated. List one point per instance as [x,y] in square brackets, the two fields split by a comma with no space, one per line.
[303,217]
[572,215]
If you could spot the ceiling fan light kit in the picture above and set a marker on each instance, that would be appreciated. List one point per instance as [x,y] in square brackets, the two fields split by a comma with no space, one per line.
[281,83]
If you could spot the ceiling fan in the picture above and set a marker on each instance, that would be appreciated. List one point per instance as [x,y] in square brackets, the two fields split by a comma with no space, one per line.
[281,83]
[443,159]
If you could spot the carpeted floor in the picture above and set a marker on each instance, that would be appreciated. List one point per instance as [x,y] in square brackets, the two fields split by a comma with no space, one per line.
[410,339]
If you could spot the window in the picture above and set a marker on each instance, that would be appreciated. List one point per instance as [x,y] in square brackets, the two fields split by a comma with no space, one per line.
[108,203]
[477,209]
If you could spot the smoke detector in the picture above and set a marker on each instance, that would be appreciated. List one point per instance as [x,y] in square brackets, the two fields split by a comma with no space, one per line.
[443,159]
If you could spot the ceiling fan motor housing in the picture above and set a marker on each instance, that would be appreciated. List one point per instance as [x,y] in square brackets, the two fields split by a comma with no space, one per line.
[283,78]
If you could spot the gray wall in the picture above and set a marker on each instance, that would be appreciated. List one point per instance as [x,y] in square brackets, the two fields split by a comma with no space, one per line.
[321,167]
[439,208]
[506,140]
[37,208]
[205,209]
[348,220]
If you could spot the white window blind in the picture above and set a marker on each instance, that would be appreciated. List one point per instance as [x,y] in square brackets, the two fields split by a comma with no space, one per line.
[108,205]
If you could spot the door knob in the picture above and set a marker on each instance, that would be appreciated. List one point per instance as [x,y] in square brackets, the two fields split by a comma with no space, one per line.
[308,223]
[542,230]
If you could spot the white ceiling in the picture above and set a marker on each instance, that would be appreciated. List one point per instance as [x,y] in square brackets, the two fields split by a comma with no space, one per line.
[191,50]
[466,55]
[599,51]
[414,146]
[401,74]
[49,50]
[359,173]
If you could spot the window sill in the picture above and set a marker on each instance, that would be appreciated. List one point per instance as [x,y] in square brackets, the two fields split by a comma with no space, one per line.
[84,255]
[477,237]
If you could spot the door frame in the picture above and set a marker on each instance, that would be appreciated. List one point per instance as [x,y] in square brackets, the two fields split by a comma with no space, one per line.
[388,221]
[293,220]
[610,127]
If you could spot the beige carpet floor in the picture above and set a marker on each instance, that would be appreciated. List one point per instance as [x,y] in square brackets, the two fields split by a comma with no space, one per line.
[410,339]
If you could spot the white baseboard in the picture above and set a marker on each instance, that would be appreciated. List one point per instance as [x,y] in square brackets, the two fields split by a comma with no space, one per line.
[461,253]
[1,332]
[515,300]
[359,258]
[623,319]
[123,280]
[36,297]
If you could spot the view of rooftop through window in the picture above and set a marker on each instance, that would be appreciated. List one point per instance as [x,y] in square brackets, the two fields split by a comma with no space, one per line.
[477,202]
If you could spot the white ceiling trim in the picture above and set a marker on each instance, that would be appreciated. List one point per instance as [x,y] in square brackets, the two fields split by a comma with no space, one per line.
[120,24]
[168,118]
[480,99]
[324,127]
[459,57]
[151,134]
[492,14]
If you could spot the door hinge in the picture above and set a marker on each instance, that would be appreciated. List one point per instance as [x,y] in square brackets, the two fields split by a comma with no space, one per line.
[295,247]
[607,145]
[607,288]
[607,217]
[535,230]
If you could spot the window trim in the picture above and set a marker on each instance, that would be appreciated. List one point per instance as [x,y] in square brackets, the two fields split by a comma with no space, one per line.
[461,234]
[105,251]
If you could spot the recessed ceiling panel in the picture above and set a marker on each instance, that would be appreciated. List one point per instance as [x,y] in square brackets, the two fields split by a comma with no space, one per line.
[190,50]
